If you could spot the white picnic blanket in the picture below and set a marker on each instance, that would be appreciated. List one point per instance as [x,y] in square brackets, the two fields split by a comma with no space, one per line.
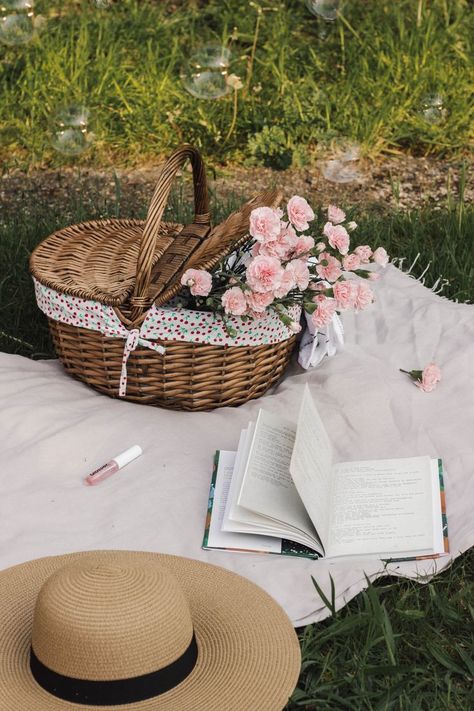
[54,431]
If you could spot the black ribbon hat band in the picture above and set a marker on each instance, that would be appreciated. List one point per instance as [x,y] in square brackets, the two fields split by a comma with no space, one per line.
[117,691]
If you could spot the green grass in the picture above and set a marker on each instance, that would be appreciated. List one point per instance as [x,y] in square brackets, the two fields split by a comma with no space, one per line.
[366,80]
[399,645]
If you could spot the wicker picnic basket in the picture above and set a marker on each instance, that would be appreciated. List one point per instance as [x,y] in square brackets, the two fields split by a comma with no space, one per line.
[127,267]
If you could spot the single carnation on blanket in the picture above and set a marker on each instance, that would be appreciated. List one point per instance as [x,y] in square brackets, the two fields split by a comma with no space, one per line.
[335,214]
[426,379]
[300,213]
[264,274]
[234,301]
[265,224]
[198,280]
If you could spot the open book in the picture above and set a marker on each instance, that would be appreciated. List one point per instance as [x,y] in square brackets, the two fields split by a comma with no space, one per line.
[282,492]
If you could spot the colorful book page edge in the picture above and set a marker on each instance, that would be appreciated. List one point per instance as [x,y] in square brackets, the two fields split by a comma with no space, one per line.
[444,520]
[288,548]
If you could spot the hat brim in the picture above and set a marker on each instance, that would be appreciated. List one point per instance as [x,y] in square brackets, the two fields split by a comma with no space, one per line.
[248,659]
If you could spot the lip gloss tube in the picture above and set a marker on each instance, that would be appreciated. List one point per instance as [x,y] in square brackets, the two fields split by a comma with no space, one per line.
[118,462]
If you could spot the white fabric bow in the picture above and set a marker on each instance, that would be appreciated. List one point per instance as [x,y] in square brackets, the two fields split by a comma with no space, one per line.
[133,339]
[315,344]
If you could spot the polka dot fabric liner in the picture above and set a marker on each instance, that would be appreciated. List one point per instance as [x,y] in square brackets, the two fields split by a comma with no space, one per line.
[163,323]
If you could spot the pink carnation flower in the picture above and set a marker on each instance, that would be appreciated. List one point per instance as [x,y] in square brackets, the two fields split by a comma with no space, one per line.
[364,252]
[255,251]
[258,303]
[328,267]
[304,245]
[345,293]
[301,273]
[264,274]
[351,262]
[234,301]
[287,283]
[338,237]
[283,246]
[426,379]
[198,280]
[335,214]
[430,377]
[264,224]
[364,296]
[319,285]
[380,257]
[299,213]
[326,308]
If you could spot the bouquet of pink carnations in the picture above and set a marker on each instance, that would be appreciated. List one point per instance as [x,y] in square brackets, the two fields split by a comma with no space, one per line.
[282,266]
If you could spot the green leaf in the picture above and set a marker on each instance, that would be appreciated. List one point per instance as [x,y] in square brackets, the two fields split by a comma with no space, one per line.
[330,604]
[443,658]
[411,614]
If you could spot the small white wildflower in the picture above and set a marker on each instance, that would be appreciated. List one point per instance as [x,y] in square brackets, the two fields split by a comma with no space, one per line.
[234,82]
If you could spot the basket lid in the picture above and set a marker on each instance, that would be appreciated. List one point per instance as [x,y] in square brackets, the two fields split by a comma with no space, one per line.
[96,260]
[220,241]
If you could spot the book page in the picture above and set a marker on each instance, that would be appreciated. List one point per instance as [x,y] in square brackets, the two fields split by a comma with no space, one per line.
[236,518]
[381,507]
[217,538]
[267,487]
[311,465]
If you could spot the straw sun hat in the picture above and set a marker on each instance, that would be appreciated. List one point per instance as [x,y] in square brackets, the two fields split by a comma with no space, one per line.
[123,630]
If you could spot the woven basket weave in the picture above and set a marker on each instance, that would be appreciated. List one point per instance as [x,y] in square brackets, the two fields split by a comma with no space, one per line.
[131,264]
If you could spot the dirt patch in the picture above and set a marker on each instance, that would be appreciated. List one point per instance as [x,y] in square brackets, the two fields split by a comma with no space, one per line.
[406,182]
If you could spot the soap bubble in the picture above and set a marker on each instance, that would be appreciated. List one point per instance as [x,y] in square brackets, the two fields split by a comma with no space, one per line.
[17,25]
[343,164]
[336,171]
[205,74]
[327,9]
[70,132]
[432,108]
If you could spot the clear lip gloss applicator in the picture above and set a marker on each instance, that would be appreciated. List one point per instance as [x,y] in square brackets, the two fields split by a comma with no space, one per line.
[118,462]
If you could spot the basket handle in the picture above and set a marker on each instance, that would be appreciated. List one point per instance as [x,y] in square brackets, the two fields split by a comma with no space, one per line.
[140,299]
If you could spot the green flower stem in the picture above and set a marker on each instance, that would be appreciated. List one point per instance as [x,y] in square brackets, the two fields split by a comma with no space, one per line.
[234,116]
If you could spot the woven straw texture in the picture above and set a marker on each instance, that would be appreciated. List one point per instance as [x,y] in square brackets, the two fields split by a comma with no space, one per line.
[187,377]
[132,264]
[108,614]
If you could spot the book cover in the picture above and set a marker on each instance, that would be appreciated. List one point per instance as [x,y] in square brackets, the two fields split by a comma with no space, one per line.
[288,548]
